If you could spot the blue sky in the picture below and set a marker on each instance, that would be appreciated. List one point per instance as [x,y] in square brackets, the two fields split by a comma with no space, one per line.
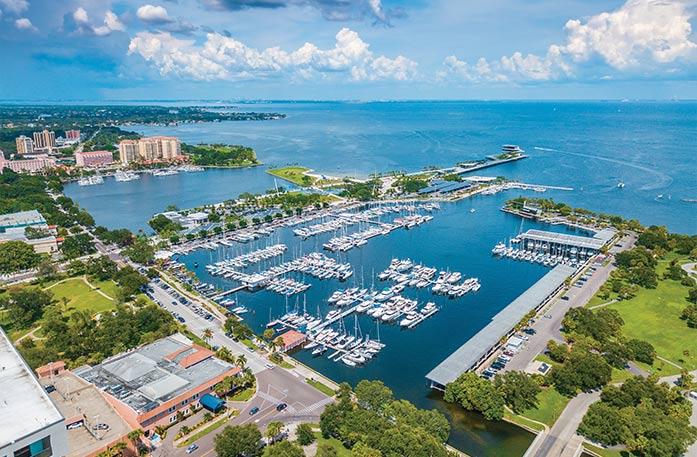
[347,49]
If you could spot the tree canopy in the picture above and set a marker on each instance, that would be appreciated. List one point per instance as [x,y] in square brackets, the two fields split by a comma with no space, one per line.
[16,256]
[237,440]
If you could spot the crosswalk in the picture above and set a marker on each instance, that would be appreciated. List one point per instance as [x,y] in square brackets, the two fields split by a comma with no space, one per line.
[268,397]
[315,406]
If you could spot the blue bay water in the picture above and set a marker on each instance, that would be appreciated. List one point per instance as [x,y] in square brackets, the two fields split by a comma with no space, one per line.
[586,146]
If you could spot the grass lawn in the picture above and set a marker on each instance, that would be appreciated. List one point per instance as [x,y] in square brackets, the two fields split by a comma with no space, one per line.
[201,433]
[619,375]
[341,451]
[321,387]
[551,405]
[653,315]
[295,175]
[604,452]
[81,297]
[522,421]
[243,395]
[108,287]
[660,367]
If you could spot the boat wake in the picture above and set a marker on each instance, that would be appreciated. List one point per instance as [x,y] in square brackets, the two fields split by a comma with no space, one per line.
[664,180]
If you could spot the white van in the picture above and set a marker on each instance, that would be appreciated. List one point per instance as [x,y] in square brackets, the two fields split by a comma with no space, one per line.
[693,395]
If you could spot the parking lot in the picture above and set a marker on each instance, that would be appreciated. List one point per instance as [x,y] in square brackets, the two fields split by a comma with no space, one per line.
[548,325]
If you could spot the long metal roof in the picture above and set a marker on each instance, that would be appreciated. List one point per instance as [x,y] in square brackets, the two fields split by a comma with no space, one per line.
[467,355]
[583,242]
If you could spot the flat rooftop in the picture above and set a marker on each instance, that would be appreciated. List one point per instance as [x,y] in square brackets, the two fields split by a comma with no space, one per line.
[24,405]
[77,399]
[584,242]
[146,377]
[21,219]
[470,353]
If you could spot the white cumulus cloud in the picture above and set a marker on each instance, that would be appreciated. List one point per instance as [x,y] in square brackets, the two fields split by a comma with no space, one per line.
[642,34]
[14,6]
[222,57]
[111,23]
[24,23]
[152,14]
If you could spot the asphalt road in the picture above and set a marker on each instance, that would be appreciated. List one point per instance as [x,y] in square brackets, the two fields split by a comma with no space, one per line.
[274,385]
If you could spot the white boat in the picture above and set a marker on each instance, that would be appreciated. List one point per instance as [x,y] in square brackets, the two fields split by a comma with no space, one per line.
[167,172]
[410,318]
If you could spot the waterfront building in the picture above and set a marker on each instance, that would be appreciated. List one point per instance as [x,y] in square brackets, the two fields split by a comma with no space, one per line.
[148,386]
[149,149]
[128,151]
[25,145]
[291,339]
[571,245]
[44,140]
[93,158]
[13,228]
[30,423]
[72,134]
[29,165]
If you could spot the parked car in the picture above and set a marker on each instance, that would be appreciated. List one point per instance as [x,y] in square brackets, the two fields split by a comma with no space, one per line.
[253,411]
[100,427]
[548,316]
[530,331]
[49,388]
[281,406]
[181,319]
[191,448]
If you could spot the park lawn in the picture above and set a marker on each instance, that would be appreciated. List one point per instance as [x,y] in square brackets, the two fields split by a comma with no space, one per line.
[653,315]
[620,375]
[551,405]
[244,395]
[81,297]
[522,421]
[326,390]
[341,451]
[205,430]
[295,175]
[602,452]
[108,287]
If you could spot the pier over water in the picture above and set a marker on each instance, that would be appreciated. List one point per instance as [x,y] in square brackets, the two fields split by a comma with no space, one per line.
[477,349]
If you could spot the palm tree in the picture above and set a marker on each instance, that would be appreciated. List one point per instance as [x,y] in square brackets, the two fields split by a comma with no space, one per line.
[134,437]
[207,334]
[241,361]
[119,447]
[273,430]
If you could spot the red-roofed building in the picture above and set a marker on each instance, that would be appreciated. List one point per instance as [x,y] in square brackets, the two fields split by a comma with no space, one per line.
[291,339]
[93,158]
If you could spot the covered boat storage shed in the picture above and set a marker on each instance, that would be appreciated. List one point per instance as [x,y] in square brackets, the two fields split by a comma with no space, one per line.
[477,349]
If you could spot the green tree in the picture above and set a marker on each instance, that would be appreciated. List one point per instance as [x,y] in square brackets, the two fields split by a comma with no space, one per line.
[326,450]
[140,252]
[77,246]
[518,389]
[26,306]
[273,430]
[305,434]
[373,395]
[233,441]
[583,370]
[642,351]
[17,255]
[284,449]
[476,394]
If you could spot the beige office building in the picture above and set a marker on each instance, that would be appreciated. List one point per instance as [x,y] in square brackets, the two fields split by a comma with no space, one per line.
[44,140]
[128,151]
[25,145]
[149,149]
